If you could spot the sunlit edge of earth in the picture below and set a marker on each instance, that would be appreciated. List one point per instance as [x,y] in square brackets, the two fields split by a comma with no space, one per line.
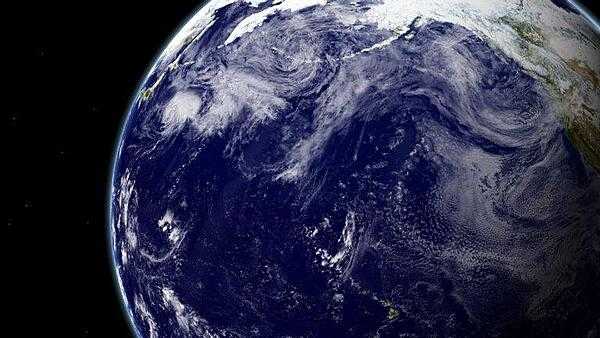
[117,284]
[587,14]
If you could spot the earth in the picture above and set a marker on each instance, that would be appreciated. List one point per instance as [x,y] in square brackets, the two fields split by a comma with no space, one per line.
[389,168]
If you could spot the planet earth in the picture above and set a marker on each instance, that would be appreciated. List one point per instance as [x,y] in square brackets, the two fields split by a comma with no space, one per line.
[385,168]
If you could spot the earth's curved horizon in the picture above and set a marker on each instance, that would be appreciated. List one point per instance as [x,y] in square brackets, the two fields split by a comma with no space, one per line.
[364,169]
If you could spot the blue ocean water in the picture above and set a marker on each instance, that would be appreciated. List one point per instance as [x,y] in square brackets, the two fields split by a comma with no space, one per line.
[422,189]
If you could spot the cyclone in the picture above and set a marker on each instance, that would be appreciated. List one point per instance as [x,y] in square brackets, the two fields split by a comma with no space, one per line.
[393,168]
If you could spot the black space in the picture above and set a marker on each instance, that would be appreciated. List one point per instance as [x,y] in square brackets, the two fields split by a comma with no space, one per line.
[72,70]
